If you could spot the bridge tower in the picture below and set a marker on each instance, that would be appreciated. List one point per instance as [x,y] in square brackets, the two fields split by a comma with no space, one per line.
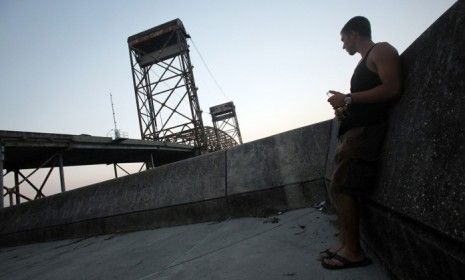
[226,125]
[166,95]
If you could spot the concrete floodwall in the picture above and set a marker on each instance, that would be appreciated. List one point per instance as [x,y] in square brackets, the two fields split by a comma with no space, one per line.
[294,157]
[89,210]
[415,219]
[278,172]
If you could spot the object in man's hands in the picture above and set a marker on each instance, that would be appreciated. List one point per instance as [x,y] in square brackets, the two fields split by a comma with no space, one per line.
[341,112]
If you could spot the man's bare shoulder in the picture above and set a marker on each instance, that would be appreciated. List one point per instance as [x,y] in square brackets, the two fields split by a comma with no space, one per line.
[383,50]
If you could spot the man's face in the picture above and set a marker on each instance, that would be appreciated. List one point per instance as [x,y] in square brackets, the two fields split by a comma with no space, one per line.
[349,42]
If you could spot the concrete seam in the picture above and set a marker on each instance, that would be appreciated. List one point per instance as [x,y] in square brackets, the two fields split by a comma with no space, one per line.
[227,246]
[326,161]
[106,217]
[246,238]
[225,173]
[329,146]
[226,195]
[283,185]
[176,262]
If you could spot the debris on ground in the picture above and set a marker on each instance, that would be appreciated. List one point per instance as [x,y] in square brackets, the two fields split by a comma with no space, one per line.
[320,205]
[273,220]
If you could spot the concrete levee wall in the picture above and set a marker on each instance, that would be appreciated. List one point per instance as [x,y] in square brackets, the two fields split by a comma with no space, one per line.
[415,219]
[293,157]
[195,179]
[274,172]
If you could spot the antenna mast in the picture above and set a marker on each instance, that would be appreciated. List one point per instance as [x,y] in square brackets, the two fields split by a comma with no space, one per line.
[117,132]
[113,110]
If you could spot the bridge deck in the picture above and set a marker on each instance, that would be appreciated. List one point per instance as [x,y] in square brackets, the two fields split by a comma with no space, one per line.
[24,150]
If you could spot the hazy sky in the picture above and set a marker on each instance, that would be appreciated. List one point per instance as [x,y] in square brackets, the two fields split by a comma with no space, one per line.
[274,59]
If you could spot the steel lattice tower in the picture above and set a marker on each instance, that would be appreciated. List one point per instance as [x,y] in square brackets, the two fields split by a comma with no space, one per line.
[166,95]
[226,125]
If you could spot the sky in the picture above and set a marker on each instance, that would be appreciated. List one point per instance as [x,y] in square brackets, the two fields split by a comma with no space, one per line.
[274,59]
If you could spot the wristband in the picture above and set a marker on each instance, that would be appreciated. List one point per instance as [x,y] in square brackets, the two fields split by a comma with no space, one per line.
[348,99]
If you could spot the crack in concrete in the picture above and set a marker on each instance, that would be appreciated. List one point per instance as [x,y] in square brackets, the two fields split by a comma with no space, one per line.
[155,274]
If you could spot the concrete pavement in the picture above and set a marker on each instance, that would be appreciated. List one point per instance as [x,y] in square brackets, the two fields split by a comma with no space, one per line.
[279,247]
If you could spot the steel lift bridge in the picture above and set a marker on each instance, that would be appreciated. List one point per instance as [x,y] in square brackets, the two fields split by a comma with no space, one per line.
[170,121]
[166,94]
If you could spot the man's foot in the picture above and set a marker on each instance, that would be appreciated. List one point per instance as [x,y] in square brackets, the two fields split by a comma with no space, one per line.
[340,262]
[328,253]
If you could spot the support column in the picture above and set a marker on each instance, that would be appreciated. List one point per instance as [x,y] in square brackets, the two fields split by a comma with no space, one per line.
[1,176]
[152,161]
[18,199]
[10,195]
[116,171]
[62,175]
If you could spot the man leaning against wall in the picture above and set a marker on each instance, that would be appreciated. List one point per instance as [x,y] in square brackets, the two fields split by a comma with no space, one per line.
[363,115]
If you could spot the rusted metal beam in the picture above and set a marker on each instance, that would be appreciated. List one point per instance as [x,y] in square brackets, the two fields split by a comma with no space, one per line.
[116,171]
[62,173]
[123,169]
[142,167]
[17,191]
[44,182]
[30,183]
[1,175]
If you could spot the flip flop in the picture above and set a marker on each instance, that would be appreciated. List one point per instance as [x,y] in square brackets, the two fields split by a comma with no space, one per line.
[345,263]
[328,253]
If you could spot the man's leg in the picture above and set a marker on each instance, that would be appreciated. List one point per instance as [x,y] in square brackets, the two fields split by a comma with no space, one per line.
[336,248]
[339,176]
[349,220]
[358,144]
[346,150]
[340,219]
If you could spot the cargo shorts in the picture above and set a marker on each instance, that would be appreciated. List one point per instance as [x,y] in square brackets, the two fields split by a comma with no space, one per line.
[356,160]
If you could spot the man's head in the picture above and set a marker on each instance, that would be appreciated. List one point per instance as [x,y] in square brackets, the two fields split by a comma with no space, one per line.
[357,28]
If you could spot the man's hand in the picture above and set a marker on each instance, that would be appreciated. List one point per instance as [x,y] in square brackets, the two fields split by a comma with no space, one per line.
[337,100]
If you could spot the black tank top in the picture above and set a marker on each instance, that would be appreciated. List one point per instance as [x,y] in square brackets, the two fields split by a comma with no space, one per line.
[367,113]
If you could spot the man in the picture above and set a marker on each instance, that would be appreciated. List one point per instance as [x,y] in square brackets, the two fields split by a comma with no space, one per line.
[363,115]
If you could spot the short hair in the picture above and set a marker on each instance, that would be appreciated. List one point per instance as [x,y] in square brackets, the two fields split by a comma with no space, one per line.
[358,24]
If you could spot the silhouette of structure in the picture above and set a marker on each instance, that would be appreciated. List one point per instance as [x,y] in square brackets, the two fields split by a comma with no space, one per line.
[169,117]
[226,125]
[166,95]
[29,150]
